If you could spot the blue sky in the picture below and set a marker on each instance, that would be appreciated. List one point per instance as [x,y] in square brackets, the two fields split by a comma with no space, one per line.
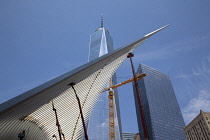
[40,40]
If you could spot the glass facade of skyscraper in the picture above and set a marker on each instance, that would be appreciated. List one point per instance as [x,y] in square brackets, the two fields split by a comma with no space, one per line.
[98,125]
[162,114]
[100,43]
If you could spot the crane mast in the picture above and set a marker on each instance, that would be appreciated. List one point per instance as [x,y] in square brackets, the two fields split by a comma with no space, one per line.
[111,105]
[111,116]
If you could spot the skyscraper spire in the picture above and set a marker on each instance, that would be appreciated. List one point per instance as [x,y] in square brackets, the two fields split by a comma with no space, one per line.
[102,21]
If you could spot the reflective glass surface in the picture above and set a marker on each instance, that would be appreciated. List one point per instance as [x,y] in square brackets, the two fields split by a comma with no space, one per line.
[161,110]
[98,126]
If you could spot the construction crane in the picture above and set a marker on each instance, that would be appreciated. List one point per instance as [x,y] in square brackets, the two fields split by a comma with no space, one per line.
[111,105]
[138,77]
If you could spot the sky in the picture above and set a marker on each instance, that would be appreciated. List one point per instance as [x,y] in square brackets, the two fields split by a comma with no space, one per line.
[40,40]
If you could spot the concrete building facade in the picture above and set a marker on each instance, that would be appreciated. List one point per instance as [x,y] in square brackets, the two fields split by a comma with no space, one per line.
[130,136]
[199,127]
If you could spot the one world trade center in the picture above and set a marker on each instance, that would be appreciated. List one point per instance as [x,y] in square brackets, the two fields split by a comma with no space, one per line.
[98,125]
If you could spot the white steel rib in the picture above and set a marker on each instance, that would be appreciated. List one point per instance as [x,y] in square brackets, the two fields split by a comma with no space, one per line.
[32,110]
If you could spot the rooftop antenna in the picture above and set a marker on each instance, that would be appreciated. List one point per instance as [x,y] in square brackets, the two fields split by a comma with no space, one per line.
[102,21]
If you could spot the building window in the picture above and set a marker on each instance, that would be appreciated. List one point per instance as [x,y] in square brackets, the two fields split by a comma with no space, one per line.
[206,118]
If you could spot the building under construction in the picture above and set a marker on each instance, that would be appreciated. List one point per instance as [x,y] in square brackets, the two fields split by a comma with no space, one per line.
[60,108]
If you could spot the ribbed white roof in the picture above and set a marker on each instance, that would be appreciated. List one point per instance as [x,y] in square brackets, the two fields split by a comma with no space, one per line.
[32,111]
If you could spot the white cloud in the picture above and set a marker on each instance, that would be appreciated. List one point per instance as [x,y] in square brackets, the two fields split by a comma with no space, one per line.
[198,78]
[203,68]
[208,58]
[182,75]
[174,48]
[202,102]
[104,124]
